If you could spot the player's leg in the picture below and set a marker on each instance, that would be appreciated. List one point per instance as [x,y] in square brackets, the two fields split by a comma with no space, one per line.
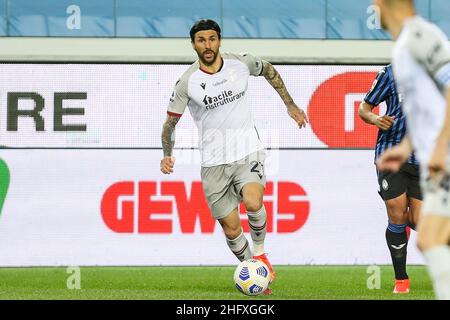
[252,195]
[434,234]
[223,203]
[236,240]
[433,238]
[393,188]
[397,240]
[250,181]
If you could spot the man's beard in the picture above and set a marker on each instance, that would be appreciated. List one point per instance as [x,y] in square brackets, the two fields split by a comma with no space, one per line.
[204,61]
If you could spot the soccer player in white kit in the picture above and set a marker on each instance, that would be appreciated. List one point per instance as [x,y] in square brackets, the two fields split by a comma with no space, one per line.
[421,64]
[214,88]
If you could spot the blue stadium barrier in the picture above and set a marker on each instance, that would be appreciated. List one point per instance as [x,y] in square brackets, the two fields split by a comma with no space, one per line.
[170,18]
[59,18]
[352,20]
[440,14]
[274,19]
[423,7]
[3,20]
[291,19]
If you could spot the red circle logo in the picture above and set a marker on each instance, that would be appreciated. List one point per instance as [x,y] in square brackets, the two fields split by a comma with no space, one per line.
[333,111]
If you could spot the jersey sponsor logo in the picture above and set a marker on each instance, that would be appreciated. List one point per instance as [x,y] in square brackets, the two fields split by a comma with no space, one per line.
[203,85]
[221,99]
[220,82]
[145,207]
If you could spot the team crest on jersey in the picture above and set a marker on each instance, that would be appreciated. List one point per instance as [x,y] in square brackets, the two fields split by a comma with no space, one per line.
[385,185]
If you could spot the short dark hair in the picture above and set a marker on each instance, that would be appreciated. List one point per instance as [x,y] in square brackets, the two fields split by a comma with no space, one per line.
[204,24]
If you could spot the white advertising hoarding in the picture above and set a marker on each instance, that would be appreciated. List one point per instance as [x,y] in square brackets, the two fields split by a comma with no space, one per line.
[83,151]
[108,106]
[114,207]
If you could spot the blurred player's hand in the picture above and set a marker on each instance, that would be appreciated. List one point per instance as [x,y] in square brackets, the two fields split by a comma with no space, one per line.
[167,165]
[298,115]
[437,163]
[384,122]
[393,158]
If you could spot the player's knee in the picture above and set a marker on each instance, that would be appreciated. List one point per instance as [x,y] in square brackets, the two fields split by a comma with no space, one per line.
[397,214]
[253,204]
[232,232]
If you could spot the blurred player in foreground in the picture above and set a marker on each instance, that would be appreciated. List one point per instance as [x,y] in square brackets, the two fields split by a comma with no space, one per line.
[214,88]
[421,64]
[399,190]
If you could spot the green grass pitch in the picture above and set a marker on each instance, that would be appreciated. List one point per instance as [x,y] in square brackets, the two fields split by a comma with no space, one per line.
[200,283]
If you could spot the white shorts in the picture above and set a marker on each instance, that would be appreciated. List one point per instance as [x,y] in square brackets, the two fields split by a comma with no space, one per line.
[436,200]
[222,184]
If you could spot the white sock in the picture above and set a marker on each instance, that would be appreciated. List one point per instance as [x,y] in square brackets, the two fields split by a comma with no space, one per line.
[258,227]
[438,259]
[239,246]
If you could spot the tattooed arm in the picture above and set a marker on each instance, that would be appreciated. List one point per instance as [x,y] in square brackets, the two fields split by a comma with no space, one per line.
[168,142]
[273,77]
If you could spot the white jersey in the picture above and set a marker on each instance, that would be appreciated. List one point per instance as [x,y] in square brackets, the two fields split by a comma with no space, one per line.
[219,107]
[421,64]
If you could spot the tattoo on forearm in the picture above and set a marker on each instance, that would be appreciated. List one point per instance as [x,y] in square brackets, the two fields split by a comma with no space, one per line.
[168,135]
[274,78]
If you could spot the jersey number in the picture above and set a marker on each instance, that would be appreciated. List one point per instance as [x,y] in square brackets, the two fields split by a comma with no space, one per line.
[254,169]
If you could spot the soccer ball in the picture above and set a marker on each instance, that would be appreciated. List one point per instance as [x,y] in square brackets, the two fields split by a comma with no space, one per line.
[251,277]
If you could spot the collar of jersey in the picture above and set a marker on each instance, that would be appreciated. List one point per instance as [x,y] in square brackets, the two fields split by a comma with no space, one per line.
[220,69]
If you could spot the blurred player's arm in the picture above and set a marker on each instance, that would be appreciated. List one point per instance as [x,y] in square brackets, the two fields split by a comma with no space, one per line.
[438,159]
[368,116]
[273,77]
[177,105]
[393,158]
[430,48]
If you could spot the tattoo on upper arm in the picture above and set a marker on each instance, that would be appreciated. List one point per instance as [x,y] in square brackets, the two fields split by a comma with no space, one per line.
[168,135]
[275,80]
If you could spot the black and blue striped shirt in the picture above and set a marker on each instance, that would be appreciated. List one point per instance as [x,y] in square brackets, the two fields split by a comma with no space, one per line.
[384,89]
